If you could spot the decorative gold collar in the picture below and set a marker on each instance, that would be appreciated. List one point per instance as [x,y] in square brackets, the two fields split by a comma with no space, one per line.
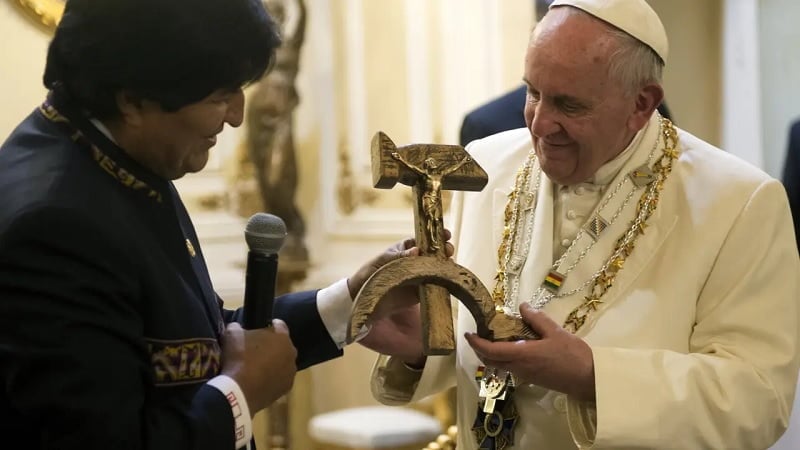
[512,251]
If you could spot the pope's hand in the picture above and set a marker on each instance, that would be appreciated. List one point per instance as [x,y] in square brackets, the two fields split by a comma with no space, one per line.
[559,360]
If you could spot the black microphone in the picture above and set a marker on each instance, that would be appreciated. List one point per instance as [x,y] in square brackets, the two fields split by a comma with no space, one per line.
[264,235]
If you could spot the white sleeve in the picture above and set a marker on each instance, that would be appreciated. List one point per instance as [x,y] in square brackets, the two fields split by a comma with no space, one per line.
[334,305]
[243,425]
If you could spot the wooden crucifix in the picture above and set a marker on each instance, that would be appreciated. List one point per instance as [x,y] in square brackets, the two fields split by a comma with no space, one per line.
[429,169]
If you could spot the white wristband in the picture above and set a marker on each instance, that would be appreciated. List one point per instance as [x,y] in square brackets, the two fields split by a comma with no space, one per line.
[243,426]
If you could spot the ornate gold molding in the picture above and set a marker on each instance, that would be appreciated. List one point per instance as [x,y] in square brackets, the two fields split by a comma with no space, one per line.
[45,12]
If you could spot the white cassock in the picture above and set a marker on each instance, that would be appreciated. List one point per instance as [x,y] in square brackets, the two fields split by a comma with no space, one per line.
[695,345]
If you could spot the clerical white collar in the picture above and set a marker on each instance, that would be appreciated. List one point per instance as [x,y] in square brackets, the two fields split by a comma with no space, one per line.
[606,173]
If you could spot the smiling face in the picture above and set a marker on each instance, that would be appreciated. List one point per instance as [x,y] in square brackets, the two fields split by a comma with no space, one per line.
[172,144]
[578,116]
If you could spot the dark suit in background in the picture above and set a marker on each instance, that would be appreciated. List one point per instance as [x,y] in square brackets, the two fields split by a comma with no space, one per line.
[501,114]
[504,113]
[791,177]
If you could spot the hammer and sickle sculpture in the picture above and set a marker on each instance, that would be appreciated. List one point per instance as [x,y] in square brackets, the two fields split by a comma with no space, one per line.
[429,169]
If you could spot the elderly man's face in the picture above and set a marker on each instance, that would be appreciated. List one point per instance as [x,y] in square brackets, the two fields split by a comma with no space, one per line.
[578,118]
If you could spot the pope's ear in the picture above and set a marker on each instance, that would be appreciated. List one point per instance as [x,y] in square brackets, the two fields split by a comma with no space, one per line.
[647,100]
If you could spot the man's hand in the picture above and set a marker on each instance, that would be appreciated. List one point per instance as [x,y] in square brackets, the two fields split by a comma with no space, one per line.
[402,249]
[261,361]
[395,326]
[559,360]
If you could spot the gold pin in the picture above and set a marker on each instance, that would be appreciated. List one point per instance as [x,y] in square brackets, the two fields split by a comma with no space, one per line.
[190,247]
[593,303]
[642,176]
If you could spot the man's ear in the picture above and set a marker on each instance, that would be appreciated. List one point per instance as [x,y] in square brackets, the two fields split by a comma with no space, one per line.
[130,108]
[647,100]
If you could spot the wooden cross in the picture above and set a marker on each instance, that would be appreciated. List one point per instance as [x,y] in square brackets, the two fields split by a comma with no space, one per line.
[429,169]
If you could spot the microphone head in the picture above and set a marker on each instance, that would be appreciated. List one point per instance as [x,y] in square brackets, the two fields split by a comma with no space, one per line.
[265,233]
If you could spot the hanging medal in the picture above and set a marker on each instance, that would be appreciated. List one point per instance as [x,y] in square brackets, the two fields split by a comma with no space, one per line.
[496,416]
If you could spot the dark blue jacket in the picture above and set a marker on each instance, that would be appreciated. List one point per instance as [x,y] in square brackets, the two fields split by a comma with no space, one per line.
[791,177]
[109,324]
[501,114]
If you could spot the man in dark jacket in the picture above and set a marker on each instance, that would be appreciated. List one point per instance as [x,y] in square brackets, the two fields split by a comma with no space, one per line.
[111,334]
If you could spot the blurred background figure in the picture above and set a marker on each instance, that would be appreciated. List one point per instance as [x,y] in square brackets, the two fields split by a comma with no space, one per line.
[791,176]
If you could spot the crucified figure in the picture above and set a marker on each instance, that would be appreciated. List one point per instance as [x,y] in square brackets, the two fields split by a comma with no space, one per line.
[432,172]
[439,277]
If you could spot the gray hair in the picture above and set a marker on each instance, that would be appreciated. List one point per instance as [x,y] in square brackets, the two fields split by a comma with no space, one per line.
[633,64]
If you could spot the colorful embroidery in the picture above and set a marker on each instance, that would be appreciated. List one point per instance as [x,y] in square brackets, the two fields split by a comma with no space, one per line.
[186,361]
[123,176]
[104,161]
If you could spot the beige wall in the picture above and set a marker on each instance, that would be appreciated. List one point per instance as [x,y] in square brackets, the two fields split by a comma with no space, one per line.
[693,71]
[23,47]
[780,78]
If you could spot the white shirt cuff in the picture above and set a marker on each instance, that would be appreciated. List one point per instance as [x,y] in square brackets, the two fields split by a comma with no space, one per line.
[334,305]
[243,425]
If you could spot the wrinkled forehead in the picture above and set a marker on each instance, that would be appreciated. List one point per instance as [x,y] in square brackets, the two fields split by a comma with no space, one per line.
[569,56]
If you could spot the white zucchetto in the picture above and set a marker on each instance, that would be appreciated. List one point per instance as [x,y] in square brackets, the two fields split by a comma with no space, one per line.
[634,17]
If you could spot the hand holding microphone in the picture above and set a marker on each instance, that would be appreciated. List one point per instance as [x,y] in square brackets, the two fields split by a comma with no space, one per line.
[259,357]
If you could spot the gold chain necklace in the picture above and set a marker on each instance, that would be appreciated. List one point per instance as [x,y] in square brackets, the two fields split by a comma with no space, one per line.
[522,196]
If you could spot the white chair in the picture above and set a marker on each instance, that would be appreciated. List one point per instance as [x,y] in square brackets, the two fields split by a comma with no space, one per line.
[373,427]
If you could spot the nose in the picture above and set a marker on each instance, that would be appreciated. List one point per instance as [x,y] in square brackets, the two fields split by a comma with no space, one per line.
[545,120]
[235,113]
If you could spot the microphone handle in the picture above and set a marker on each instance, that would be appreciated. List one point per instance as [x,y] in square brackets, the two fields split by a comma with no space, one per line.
[259,290]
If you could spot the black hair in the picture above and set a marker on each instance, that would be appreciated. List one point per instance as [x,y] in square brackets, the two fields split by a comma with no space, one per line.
[173,52]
